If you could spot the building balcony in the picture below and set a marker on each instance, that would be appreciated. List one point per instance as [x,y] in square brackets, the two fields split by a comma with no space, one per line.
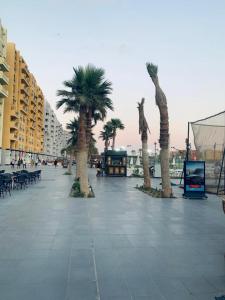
[25,79]
[33,100]
[32,109]
[24,109]
[13,136]
[24,90]
[3,92]
[24,100]
[32,117]
[3,79]
[14,125]
[13,112]
[3,65]
[25,70]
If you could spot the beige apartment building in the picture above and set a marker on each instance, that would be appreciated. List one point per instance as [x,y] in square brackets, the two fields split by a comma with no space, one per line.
[3,79]
[23,114]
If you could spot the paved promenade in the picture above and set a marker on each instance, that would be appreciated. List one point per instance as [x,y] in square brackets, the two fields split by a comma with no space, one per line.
[120,245]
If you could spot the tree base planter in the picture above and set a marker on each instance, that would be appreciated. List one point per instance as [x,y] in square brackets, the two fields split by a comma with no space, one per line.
[76,192]
[67,173]
[154,192]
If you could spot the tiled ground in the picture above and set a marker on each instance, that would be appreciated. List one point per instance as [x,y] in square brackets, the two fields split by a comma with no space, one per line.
[120,245]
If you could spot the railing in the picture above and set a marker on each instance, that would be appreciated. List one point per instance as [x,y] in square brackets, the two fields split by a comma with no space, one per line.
[4,79]
[3,64]
[3,92]
[25,79]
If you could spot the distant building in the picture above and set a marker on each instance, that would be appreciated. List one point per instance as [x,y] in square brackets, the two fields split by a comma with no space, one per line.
[55,138]
[23,113]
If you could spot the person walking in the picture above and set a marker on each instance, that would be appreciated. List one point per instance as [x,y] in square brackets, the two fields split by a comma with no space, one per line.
[18,163]
[36,162]
[55,163]
[24,163]
[12,163]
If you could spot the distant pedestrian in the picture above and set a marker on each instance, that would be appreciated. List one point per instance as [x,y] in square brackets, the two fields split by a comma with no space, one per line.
[36,163]
[18,163]
[12,163]
[24,163]
[55,163]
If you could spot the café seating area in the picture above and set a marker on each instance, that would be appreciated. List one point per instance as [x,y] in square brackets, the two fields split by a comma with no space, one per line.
[17,180]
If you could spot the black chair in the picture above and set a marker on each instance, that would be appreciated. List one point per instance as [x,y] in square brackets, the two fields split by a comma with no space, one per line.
[21,180]
[7,180]
[2,187]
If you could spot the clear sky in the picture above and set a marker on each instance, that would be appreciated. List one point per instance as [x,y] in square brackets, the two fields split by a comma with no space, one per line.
[185,38]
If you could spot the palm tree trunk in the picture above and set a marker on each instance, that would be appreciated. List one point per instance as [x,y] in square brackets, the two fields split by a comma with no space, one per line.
[89,129]
[143,129]
[106,145]
[70,165]
[82,154]
[164,139]
[145,161]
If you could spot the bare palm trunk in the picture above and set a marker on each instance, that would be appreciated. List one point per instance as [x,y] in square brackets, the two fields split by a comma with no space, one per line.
[143,129]
[89,129]
[70,165]
[106,145]
[161,102]
[82,155]
[145,159]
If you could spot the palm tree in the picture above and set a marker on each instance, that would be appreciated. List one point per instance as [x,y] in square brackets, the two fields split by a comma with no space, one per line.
[161,102]
[86,94]
[116,124]
[143,130]
[106,134]
[72,141]
[73,131]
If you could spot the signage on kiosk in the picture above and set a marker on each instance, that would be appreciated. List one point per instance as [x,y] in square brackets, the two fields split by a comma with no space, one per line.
[194,179]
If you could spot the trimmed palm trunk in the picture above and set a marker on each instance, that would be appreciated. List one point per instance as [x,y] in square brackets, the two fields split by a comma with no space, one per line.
[143,130]
[89,128]
[106,144]
[82,154]
[70,165]
[161,102]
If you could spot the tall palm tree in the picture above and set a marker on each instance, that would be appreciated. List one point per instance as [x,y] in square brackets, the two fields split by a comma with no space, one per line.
[86,94]
[116,124]
[143,130]
[106,134]
[161,102]
[99,102]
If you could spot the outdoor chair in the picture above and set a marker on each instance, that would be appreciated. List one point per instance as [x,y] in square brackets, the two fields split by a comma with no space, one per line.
[2,187]
[32,177]
[21,180]
[38,174]
[7,180]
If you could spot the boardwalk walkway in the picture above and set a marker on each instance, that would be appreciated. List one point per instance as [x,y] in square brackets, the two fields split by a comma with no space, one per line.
[120,245]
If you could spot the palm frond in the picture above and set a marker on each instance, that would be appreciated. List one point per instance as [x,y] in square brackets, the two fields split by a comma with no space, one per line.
[152,70]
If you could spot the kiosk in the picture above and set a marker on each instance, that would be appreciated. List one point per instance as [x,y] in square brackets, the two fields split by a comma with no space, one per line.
[115,163]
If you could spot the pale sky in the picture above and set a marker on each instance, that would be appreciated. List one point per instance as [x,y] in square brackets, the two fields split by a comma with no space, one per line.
[186,39]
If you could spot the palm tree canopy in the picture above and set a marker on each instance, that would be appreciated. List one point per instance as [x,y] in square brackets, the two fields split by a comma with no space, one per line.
[73,127]
[152,70]
[116,124]
[87,89]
